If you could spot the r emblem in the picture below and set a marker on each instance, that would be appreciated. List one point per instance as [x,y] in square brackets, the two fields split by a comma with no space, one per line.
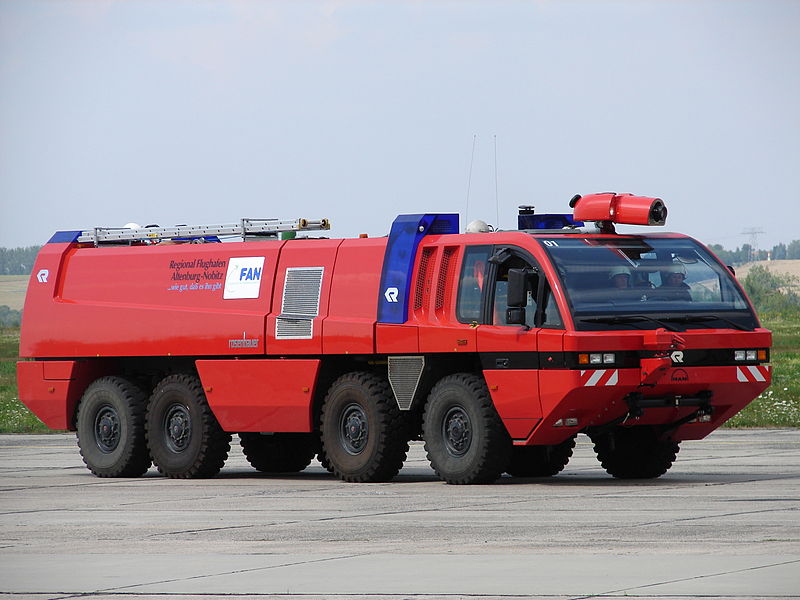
[677,356]
[391,294]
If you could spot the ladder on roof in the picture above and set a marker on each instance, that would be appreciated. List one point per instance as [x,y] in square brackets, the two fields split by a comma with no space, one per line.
[199,233]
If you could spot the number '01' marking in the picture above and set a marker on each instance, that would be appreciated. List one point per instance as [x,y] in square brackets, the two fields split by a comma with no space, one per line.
[551,243]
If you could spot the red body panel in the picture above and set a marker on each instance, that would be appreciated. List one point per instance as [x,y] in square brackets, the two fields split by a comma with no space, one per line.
[515,396]
[51,390]
[260,395]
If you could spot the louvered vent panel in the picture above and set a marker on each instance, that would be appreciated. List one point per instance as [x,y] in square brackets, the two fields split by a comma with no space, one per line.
[294,329]
[301,292]
[422,277]
[444,277]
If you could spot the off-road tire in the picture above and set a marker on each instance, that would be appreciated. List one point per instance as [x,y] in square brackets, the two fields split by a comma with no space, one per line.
[110,428]
[465,440]
[540,461]
[364,435]
[279,452]
[184,437]
[635,452]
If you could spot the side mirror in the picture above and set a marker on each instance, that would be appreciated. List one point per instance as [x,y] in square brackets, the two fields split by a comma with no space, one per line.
[520,281]
[515,316]
[732,270]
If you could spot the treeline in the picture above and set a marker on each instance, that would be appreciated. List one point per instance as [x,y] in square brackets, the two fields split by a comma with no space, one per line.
[747,254]
[10,317]
[771,293]
[17,261]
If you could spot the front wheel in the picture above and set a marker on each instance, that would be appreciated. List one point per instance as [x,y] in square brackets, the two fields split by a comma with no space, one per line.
[184,437]
[110,426]
[465,439]
[635,452]
[540,461]
[364,438]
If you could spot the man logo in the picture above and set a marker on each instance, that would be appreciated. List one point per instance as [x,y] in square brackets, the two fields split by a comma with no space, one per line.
[680,375]
[391,294]
[677,356]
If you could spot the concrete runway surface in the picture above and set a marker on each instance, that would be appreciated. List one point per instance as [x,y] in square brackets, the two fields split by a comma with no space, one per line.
[723,523]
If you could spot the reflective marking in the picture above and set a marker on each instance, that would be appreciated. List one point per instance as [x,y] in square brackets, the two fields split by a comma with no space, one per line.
[614,378]
[595,377]
[757,373]
[740,376]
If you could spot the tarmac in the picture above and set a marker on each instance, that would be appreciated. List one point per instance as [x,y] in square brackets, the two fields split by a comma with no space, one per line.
[723,523]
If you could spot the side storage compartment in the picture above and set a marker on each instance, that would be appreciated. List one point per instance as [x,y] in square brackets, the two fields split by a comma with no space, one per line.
[261,395]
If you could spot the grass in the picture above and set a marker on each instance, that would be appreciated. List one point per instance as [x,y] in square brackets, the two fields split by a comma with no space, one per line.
[778,406]
[14,416]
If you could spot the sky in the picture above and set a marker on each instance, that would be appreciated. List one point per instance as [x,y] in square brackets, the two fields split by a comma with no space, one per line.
[204,112]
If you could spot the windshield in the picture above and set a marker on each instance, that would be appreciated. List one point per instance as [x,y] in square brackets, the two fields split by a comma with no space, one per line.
[646,283]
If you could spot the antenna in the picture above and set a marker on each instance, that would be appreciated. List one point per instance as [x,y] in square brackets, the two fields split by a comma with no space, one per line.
[496,198]
[753,232]
[469,177]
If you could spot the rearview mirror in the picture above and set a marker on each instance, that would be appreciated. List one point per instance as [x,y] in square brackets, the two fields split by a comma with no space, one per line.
[520,282]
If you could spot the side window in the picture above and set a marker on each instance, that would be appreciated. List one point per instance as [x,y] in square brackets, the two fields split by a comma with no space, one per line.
[470,288]
[501,293]
[551,318]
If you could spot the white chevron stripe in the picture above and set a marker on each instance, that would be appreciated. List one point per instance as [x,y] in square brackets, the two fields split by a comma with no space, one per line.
[595,377]
[614,378]
[740,376]
[757,373]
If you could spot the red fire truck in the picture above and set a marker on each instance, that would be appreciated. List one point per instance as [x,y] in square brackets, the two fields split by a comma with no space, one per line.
[494,347]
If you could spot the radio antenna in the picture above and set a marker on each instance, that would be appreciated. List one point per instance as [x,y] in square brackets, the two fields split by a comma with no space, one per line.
[496,197]
[469,177]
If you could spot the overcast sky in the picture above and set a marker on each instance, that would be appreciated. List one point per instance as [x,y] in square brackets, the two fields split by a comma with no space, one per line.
[206,112]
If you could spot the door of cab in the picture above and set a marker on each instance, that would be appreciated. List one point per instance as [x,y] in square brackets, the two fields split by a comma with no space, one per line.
[509,351]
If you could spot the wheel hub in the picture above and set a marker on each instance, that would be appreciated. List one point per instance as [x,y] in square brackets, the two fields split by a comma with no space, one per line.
[457,431]
[177,428]
[107,429]
[354,429]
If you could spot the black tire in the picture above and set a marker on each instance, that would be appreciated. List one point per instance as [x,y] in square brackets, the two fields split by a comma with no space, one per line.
[184,437]
[465,439]
[364,438]
[278,452]
[110,428]
[540,461]
[635,452]
[323,460]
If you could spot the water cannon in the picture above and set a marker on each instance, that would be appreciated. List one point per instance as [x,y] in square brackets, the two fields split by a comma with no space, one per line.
[627,209]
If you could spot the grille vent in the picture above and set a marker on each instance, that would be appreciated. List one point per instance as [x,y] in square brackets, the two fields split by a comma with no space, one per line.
[301,292]
[404,375]
[422,278]
[444,276]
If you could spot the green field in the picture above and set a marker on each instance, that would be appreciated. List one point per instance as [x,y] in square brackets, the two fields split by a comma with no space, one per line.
[779,406]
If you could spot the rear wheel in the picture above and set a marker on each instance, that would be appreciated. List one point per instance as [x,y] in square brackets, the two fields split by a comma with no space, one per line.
[363,433]
[540,461]
[635,452]
[278,452]
[184,437]
[110,426]
[465,439]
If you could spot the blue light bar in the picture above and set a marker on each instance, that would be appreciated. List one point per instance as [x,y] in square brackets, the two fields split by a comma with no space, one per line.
[547,221]
[398,262]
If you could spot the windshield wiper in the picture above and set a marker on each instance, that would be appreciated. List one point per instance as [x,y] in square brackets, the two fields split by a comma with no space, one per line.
[704,318]
[627,319]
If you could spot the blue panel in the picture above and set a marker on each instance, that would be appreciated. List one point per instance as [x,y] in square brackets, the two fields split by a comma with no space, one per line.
[398,262]
[546,221]
[61,237]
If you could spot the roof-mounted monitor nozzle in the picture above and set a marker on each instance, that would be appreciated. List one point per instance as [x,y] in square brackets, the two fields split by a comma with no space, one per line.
[610,208]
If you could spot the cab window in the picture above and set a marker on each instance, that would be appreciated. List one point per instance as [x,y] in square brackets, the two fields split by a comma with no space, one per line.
[470,289]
